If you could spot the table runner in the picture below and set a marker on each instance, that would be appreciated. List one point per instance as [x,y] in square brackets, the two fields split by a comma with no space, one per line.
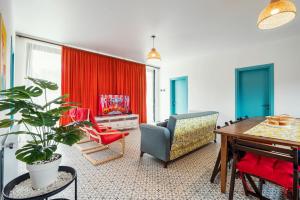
[291,133]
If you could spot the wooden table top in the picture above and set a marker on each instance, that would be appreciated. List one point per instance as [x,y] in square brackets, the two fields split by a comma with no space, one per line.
[238,129]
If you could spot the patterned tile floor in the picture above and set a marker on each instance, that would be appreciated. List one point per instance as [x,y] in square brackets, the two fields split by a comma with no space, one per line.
[133,178]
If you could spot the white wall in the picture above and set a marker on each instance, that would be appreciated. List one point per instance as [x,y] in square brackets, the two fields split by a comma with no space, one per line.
[7,14]
[212,78]
[10,163]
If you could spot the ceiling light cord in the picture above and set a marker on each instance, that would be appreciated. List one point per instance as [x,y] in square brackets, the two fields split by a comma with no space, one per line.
[153,38]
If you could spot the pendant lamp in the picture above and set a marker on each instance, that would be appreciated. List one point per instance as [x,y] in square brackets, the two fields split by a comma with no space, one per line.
[153,54]
[277,13]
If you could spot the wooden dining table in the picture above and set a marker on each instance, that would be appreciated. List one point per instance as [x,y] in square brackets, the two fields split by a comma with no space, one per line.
[237,130]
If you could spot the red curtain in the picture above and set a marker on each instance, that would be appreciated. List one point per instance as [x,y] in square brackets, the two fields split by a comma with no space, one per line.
[86,75]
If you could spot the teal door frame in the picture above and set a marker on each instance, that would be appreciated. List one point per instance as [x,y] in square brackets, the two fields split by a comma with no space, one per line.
[172,92]
[270,68]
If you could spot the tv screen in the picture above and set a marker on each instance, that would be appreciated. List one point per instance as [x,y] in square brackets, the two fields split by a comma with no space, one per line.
[113,105]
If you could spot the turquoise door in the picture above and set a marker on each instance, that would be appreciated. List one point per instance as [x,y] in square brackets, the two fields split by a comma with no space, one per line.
[255,91]
[179,95]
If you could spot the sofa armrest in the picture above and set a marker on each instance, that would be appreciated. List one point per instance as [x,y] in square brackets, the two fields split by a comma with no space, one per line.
[155,140]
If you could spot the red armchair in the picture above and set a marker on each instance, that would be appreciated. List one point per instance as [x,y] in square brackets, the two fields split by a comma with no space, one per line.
[81,114]
[102,135]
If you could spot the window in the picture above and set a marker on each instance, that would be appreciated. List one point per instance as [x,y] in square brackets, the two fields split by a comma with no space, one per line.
[44,62]
[37,60]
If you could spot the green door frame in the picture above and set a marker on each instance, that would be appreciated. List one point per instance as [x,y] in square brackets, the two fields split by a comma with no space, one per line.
[172,92]
[270,68]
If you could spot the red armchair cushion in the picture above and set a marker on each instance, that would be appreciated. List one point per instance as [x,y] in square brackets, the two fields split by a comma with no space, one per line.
[79,114]
[94,136]
[84,114]
[107,139]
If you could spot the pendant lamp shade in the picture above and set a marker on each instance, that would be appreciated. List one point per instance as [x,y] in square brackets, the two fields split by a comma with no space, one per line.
[277,13]
[153,54]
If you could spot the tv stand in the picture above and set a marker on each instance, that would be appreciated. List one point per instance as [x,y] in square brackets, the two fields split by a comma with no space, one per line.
[120,122]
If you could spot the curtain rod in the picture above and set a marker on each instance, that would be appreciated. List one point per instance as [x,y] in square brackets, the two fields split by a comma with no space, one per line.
[22,35]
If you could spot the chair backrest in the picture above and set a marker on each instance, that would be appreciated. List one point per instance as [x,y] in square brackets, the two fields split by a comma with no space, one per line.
[238,120]
[80,114]
[84,114]
[266,150]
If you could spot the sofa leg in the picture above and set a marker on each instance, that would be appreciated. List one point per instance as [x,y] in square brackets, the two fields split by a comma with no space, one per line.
[166,164]
[142,153]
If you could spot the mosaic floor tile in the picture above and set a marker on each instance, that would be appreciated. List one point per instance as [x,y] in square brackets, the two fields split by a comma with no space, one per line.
[135,178]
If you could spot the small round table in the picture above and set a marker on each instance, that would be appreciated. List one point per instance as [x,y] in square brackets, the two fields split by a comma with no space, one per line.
[10,186]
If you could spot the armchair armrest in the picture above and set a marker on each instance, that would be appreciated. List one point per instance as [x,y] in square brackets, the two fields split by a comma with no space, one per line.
[155,140]
[112,133]
[107,132]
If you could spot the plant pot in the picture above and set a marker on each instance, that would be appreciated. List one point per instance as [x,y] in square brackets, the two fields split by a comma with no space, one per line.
[44,173]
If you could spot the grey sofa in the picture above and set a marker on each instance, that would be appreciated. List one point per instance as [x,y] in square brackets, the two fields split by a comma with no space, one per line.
[183,133]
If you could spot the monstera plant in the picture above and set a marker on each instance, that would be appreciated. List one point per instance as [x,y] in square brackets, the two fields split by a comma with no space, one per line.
[41,123]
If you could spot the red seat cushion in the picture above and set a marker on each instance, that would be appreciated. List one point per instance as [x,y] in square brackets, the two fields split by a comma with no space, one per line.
[109,138]
[96,125]
[266,166]
[248,163]
[271,169]
[283,174]
[94,136]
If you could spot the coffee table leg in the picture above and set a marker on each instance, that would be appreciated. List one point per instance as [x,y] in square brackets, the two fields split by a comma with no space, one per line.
[76,188]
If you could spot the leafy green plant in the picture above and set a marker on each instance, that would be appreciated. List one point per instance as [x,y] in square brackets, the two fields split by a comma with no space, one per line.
[40,121]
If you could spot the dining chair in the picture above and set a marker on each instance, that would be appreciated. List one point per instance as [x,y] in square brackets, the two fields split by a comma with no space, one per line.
[238,119]
[217,167]
[266,162]
[102,136]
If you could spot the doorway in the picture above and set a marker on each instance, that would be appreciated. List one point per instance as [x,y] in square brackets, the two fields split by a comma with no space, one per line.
[179,95]
[255,91]
[151,94]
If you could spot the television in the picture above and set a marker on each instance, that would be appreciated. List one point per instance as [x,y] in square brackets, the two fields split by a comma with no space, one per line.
[113,105]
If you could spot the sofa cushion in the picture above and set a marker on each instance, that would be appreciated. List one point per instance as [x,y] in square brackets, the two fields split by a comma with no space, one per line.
[191,131]
[174,118]
[272,169]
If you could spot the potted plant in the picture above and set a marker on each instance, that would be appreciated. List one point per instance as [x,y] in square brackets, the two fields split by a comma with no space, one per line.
[41,123]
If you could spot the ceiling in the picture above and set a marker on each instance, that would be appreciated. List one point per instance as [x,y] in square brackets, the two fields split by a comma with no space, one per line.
[123,27]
